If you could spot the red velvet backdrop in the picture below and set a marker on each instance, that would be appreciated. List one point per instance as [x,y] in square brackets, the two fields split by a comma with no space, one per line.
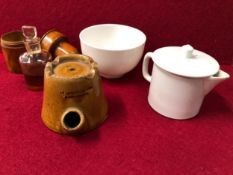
[134,139]
[205,24]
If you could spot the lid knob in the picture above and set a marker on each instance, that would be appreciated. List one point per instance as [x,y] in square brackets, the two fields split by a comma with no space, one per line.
[187,50]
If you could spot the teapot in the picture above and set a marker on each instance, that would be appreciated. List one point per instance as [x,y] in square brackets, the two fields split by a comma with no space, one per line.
[180,79]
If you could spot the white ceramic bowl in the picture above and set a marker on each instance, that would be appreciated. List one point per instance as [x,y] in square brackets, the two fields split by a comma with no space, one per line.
[116,48]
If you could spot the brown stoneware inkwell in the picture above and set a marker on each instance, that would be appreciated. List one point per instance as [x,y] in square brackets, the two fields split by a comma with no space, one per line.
[12,47]
[73,101]
[57,44]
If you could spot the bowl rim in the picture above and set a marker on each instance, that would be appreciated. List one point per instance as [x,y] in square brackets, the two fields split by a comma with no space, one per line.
[82,40]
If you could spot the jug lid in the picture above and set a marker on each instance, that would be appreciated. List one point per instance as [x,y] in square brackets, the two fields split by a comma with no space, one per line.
[185,61]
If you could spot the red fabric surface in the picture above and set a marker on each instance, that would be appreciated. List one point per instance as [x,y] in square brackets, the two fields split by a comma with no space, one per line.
[205,24]
[133,140]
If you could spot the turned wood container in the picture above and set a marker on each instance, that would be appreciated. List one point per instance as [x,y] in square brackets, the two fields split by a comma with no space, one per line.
[12,47]
[57,44]
[73,101]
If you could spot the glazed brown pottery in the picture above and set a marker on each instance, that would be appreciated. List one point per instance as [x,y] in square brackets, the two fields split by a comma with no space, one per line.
[73,101]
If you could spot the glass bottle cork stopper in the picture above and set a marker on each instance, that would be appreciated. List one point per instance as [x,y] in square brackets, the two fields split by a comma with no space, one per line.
[29,32]
[32,42]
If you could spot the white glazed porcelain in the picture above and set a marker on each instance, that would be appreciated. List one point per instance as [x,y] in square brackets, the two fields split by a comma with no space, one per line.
[181,77]
[116,48]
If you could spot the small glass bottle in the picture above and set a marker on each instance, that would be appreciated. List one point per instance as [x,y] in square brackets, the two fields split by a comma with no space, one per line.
[33,61]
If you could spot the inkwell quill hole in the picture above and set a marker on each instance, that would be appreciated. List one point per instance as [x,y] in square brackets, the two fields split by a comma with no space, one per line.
[71,69]
[71,120]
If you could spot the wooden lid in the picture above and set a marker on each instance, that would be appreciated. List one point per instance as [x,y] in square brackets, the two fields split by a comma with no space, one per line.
[50,39]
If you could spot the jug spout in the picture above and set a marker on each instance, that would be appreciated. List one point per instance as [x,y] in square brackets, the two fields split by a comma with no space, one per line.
[214,80]
[73,121]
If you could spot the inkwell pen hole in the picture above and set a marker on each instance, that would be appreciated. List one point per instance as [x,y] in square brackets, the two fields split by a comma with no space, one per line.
[71,69]
[71,120]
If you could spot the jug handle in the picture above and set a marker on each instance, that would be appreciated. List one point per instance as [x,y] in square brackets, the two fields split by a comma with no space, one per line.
[145,65]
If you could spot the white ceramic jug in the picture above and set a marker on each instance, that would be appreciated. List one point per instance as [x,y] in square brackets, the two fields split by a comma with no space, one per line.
[181,77]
